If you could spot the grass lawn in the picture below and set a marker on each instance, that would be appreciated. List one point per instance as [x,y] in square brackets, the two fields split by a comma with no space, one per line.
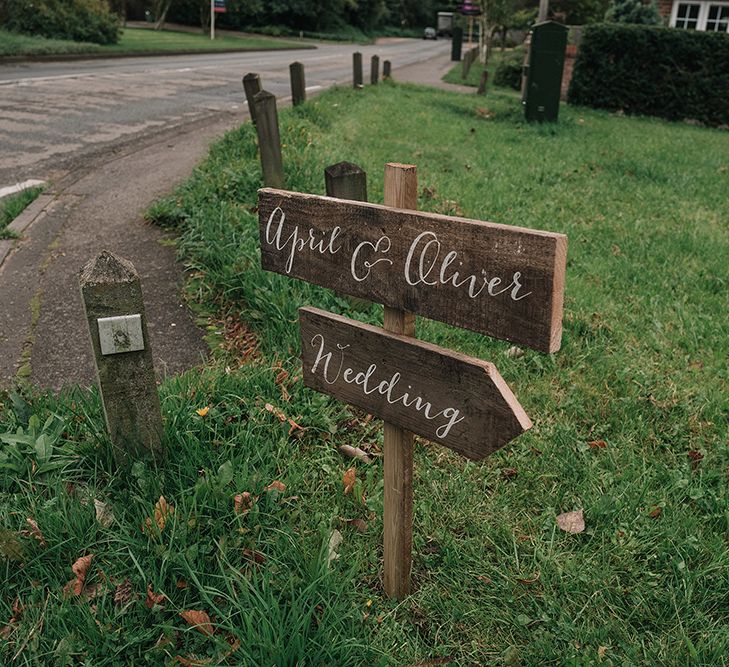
[12,206]
[139,40]
[630,426]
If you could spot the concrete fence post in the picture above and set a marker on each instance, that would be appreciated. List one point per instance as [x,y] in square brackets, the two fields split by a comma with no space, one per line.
[112,297]
[298,85]
[251,86]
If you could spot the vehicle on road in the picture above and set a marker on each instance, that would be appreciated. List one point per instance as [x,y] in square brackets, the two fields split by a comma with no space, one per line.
[429,33]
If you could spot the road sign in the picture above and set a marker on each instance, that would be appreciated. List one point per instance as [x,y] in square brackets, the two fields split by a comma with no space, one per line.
[219,7]
[458,401]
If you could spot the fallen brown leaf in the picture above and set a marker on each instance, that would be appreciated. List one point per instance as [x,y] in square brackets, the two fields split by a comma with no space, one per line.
[572,522]
[509,473]
[181,584]
[198,620]
[163,511]
[35,532]
[655,512]
[695,457]
[529,582]
[123,593]
[349,479]
[153,598]
[283,418]
[483,578]
[255,556]
[80,569]
[243,502]
[276,486]
[597,444]
[17,610]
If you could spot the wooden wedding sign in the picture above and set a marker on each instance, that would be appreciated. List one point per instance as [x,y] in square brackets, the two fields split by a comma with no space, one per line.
[506,282]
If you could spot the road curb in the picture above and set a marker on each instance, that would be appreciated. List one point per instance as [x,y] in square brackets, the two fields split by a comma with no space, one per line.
[28,216]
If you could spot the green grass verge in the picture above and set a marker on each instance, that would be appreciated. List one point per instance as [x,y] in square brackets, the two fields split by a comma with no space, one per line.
[642,375]
[138,40]
[455,74]
[11,207]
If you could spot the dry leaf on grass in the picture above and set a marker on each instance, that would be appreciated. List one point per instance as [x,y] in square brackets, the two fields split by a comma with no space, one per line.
[597,444]
[355,453]
[104,515]
[123,593]
[80,569]
[571,522]
[153,598]
[243,502]
[35,532]
[655,512]
[17,610]
[276,486]
[283,418]
[163,511]
[348,480]
[203,412]
[198,620]
[255,556]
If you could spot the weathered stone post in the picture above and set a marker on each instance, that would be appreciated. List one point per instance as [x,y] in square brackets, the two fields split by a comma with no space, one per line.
[386,70]
[112,296]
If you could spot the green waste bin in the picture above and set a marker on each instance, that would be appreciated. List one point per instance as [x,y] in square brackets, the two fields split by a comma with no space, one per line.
[543,71]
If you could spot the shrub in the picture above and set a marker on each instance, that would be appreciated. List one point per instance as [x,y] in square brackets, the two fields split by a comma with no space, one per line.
[508,71]
[78,20]
[656,71]
[633,11]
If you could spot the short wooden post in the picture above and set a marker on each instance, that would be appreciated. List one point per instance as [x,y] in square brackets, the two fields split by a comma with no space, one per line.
[112,297]
[251,86]
[345,180]
[374,70]
[456,43]
[467,61]
[386,70]
[357,77]
[482,83]
[269,139]
[298,86]
[401,191]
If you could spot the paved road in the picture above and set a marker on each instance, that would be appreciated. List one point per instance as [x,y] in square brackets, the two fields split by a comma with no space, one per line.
[51,114]
[113,136]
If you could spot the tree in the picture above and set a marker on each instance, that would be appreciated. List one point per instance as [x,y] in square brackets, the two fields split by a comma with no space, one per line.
[633,11]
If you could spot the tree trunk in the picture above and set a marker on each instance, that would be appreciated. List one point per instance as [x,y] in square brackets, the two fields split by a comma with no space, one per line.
[164,7]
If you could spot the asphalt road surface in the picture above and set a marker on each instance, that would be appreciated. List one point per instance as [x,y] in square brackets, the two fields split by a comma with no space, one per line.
[112,136]
[56,112]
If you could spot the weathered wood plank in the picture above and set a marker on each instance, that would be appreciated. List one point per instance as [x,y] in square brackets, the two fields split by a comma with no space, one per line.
[458,401]
[503,281]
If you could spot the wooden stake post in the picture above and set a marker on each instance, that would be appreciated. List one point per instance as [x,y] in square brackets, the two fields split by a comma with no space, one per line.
[503,281]
[401,191]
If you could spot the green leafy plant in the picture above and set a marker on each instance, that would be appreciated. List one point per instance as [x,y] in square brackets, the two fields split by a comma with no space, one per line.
[633,11]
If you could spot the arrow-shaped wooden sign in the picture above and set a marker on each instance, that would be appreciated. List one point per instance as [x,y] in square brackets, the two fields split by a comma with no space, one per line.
[456,400]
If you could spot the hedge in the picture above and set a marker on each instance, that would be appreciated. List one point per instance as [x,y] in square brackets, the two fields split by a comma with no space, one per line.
[77,20]
[655,71]
[508,71]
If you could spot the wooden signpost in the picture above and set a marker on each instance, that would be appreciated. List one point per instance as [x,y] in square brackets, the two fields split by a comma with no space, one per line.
[506,282]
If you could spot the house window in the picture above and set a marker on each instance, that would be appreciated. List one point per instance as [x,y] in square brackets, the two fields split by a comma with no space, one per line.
[718,18]
[707,15]
[687,16]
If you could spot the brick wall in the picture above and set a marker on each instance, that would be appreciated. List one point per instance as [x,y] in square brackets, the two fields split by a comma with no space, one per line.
[664,9]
